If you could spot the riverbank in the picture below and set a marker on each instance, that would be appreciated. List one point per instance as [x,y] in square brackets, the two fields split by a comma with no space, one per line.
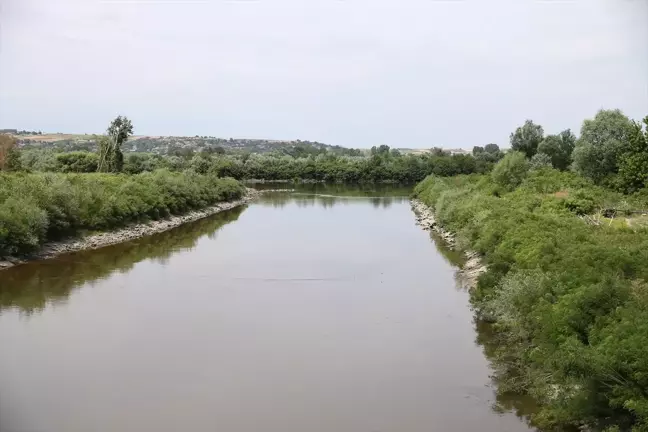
[131,232]
[472,267]
[567,299]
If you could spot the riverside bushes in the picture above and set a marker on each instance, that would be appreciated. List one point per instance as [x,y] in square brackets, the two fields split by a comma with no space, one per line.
[379,167]
[569,299]
[38,207]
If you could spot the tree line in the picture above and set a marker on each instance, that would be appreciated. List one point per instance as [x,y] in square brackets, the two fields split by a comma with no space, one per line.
[612,150]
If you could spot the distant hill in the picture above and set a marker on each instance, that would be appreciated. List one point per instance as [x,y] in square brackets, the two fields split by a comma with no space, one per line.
[173,144]
[185,144]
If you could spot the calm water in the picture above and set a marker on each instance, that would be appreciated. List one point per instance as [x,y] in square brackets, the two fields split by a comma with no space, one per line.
[300,313]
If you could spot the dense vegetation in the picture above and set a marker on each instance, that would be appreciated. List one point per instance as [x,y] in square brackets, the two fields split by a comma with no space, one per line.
[569,298]
[381,166]
[38,207]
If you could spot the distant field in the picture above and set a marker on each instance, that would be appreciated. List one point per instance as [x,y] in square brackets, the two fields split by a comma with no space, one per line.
[76,137]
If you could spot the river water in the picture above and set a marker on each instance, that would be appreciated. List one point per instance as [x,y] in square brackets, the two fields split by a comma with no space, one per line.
[326,310]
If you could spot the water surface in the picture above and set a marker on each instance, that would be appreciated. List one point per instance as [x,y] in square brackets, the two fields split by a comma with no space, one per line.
[316,311]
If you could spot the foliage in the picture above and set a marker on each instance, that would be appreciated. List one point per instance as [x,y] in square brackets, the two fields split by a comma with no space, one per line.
[633,162]
[385,165]
[38,207]
[7,146]
[78,162]
[569,300]
[559,148]
[526,138]
[540,160]
[510,171]
[111,158]
[600,145]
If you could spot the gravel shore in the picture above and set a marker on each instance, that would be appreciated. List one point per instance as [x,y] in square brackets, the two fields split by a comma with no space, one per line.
[470,271]
[131,232]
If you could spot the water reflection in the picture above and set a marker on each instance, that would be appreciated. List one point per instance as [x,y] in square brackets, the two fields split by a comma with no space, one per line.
[340,190]
[32,286]
[303,200]
[505,401]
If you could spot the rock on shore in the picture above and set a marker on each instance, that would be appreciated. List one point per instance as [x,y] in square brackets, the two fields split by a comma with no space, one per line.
[473,267]
[131,232]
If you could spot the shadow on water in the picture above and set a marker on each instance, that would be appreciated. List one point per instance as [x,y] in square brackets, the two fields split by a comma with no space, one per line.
[524,406]
[32,286]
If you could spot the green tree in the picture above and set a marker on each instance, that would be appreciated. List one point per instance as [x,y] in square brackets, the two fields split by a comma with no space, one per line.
[477,150]
[602,140]
[492,148]
[526,138]
[559,148]
[511,170]
[79,162]
[633,162]
[540,160]
[111,158]
[7,144]
[14,161]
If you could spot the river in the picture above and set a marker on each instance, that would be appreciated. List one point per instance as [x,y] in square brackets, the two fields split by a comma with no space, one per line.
[324,310]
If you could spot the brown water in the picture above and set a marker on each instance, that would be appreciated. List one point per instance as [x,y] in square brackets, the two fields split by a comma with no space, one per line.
[299,313]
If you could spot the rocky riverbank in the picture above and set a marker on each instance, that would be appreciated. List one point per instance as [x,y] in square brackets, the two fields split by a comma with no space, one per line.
[131,232]
[473,267]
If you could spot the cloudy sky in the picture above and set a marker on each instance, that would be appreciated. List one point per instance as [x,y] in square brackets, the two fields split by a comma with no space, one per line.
[406,73]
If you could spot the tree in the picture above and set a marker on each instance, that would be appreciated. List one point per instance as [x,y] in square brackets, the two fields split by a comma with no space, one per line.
[79,162]
[492,148]
[540,160]
[526,138]
[633,162]
[511,171]
[111,158]
[7,146]
[559,148]
[477,150]
[601,143]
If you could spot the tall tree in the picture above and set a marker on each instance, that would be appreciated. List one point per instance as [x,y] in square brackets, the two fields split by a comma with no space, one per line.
[633,162]
[559,148]
[526,138]
[111,158]
[602,140]
[7,147]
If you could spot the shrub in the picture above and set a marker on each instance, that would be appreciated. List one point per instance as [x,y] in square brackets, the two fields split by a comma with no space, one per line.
[39,207]
[511,170]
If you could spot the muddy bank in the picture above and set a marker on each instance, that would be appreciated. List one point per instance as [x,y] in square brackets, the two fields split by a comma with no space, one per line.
[131,232]
[473,267]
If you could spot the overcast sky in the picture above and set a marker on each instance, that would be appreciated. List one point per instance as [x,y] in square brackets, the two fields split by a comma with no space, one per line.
[354,73]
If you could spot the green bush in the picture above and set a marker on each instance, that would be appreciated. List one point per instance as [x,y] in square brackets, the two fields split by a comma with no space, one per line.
[38,207]
[77,162]
[511,170]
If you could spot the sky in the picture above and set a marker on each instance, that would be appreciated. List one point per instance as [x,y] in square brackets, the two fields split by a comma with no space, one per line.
[406,73]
